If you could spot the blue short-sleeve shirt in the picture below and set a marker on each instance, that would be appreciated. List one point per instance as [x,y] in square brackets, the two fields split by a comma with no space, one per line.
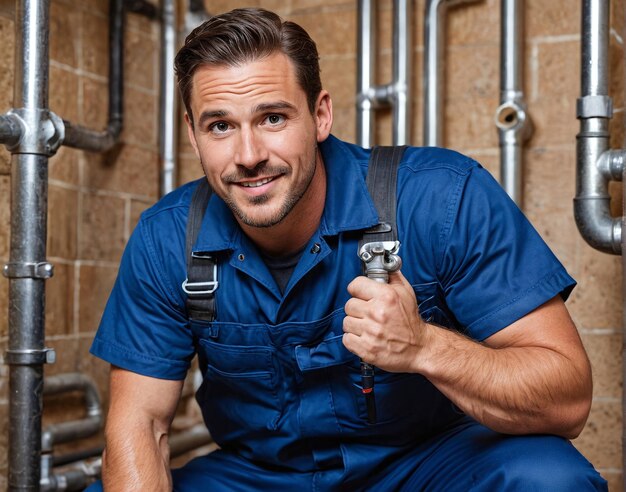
[279,386]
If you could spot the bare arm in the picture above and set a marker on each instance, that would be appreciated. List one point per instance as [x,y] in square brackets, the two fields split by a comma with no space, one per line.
[136,455]
[531,377]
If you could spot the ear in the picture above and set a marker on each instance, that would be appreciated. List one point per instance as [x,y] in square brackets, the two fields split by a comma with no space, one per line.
[323,115]
[192,136]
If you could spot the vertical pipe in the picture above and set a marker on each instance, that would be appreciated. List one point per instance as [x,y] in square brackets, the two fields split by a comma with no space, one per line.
[434,68]
[168,101]
[594,110]
[29,190]
[402,62]
[510,89]
[366,68]
[434,37]
[511,119]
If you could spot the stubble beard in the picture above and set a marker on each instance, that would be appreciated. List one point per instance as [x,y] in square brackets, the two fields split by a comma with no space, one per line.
[290,201]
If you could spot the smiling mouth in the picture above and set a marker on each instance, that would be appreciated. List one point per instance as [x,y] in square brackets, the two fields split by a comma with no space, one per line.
[256,184]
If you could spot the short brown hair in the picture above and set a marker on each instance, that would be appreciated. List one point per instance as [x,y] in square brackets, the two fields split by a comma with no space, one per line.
[244,35]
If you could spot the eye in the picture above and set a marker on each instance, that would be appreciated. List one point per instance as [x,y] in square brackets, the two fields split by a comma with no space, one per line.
[275,119]
[219,127]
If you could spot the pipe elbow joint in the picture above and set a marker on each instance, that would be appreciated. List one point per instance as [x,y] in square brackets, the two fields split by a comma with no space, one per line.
[596,225]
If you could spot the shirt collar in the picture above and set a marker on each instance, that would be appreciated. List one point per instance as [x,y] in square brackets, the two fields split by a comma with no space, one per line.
[348,205]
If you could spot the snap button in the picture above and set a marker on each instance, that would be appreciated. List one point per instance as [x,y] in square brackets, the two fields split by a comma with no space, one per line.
[316,248]
[241,257]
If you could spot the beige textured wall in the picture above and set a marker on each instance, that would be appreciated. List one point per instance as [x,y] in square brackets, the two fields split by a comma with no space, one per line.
[95,200]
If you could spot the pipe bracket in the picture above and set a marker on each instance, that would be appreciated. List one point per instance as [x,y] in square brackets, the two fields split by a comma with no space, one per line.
[32,357]
[41,270]
[43,133]
[594,107]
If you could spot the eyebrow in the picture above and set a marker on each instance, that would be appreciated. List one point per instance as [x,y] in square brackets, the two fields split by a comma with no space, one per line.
[261,108]
[208,115]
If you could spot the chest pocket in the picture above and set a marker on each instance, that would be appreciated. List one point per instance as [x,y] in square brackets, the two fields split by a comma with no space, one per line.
[432,305]
[239,392]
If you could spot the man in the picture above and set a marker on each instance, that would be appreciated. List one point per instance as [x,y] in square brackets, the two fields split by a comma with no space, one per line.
[481,377]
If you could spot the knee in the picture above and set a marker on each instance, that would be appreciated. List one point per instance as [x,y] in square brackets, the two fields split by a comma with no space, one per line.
[95,487]
[558,468]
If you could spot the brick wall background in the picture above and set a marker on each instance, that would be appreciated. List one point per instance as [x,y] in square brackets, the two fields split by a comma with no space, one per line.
[95,200]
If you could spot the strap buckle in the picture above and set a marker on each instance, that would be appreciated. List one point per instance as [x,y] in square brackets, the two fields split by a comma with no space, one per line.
[201,288]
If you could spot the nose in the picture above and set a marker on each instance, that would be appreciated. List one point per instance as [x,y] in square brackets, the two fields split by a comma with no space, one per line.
[251,150]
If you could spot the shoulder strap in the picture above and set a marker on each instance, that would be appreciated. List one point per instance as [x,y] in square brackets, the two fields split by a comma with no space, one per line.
[382,175]
[201,280]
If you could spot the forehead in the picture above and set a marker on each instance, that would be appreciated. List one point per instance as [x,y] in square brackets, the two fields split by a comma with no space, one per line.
[270,77]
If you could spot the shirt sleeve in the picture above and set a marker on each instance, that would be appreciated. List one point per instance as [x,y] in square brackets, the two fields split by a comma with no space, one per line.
[144,329]
[495,267]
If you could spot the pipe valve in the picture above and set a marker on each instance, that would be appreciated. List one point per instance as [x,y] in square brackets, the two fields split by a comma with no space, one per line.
[380,258]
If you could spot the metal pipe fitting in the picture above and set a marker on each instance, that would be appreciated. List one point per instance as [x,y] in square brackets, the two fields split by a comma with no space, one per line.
[396,94]
[11,130]
[595,163]
[101,141]
[434,68]
[514,125]
[169,98]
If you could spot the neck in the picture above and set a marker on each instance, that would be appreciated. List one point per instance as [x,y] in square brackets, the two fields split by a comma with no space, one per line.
[293,233]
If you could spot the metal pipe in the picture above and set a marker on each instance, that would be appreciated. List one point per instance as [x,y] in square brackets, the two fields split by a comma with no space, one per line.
[169,98]
[27,268]
[395,94]
[595,164]
[101,141]
[402,63]
[68,431]
[142,7]
[434,68]
[366,68]
[514,126]
[10,130]
[623,240]
[78,429]
[189,439]
[79,475]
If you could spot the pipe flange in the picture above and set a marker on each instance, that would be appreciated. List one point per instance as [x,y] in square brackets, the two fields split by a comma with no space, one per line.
[32,357]
[594,107]
[41,270]
[43,132]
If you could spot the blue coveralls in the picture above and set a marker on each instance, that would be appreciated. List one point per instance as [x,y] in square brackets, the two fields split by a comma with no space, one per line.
[281,394]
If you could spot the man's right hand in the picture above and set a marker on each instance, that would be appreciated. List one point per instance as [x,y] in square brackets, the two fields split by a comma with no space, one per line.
[136,456]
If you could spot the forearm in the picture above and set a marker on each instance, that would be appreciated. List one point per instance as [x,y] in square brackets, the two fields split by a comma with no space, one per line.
[136,459]
[517,390]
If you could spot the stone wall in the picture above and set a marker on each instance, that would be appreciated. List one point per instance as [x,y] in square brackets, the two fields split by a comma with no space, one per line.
[95,200]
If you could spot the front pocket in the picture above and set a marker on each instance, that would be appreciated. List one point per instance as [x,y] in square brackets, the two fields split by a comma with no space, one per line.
[239,393]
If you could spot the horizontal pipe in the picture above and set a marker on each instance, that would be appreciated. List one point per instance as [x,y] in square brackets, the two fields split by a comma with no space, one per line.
[142,7]
[10,130]
[101,141]
[188,440]
[77,429]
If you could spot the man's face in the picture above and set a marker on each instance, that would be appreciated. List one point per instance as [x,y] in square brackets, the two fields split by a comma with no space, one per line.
[256,137]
